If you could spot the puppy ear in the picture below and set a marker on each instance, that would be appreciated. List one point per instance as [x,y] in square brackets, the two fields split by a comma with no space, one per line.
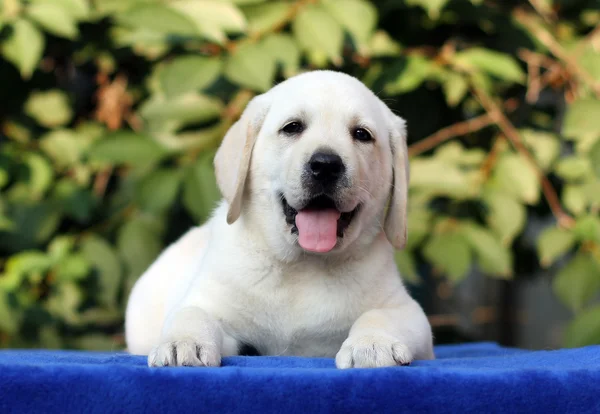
[396,219]
[232,160]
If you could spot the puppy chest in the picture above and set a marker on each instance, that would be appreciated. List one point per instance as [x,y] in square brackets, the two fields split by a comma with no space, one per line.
[305,320]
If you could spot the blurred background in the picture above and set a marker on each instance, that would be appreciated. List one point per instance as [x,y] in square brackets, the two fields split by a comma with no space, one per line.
[111,111]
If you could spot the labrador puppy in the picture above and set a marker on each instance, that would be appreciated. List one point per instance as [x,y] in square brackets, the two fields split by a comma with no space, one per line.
[298,259]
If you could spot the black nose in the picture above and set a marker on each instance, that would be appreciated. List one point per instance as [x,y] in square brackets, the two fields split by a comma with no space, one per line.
[326,167]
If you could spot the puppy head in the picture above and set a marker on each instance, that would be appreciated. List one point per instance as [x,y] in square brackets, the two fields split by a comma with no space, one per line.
[316,162]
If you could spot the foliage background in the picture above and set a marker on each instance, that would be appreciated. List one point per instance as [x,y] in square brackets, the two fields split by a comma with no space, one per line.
[111,110]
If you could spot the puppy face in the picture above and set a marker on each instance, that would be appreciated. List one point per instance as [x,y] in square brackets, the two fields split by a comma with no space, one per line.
[322,164]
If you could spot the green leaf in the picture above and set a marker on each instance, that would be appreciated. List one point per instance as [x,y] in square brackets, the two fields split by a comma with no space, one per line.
[251,66]
[499,65]
[24,47]
[72,268]
[4,178]
[158,190]
[285,52]
[449,252]
[574,168]
[587,228]
[515,175]
[41,174]
[6,224]
[63,146]
[553,243]
[581,119]
[381,44]
[595,158]
[358,17]
[407,267]
[64,302]
[127,148]
[188,73]
[158,18]
[79,9]
[578,282]
[54,19]
[455,153]
[60,247]
[545,146]
[108,266]
[212,18]
[584,329]
[589,59]
[419,226]
[414,73]
[200,190]
[493,257]
[433,7]
[207,138]
[171,115]
[455,87]
[441,177]
[28,262]
[34,223]
[76,202]
[139,244]
[50,108]
[144,42]
[246,2]
[574,198]
[319,34]
[506,215]
[9,322]
[262,18]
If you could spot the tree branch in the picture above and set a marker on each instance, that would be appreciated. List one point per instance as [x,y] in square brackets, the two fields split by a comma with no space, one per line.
[455,130]
[550,42]
[452,131]
[511,133]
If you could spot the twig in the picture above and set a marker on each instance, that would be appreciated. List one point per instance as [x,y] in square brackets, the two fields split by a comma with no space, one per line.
[456,130]
[101,181]
[490,161]
[511,133]
[550,42]
[452,131]
[548,15]
[534,84]
[555,75]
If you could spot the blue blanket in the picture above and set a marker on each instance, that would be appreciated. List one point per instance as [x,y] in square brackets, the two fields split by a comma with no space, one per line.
[470,378]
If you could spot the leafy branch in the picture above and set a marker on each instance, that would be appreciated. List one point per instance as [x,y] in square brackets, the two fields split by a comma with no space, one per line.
[510,132]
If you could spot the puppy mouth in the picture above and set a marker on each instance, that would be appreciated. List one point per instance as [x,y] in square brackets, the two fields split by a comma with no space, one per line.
[319,223]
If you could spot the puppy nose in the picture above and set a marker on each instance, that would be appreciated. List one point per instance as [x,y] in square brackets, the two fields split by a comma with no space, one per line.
[326,167]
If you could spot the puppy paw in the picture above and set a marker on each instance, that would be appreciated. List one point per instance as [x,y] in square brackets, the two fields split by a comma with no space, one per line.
[185,353]
[372,352]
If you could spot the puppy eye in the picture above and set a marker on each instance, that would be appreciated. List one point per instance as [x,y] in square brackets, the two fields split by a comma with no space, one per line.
[361,134]
[293,128]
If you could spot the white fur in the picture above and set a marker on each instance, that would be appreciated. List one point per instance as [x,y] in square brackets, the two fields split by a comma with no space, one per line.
[249,282]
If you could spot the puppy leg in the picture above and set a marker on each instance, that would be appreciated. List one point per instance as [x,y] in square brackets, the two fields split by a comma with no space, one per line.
[190,337]
[387,337]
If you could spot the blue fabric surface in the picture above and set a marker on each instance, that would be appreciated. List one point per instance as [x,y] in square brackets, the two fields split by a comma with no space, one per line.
[464,379]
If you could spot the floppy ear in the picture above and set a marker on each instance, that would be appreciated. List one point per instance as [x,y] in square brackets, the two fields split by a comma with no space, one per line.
[232,160]
[396,219]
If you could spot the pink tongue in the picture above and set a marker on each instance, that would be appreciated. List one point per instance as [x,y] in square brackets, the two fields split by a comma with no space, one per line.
[317,229]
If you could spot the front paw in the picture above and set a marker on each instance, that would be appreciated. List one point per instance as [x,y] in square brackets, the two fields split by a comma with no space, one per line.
[372,352]
[185,353]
